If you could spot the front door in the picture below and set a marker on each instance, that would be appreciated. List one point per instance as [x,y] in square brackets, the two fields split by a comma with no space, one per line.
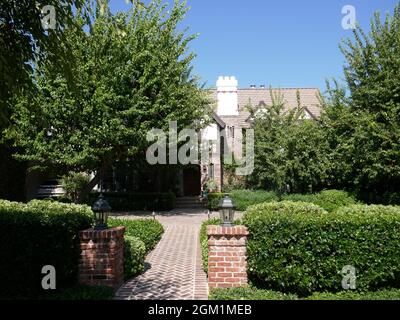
[191,181]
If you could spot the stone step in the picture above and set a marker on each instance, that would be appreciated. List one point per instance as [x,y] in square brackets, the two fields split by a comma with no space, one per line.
[188,202]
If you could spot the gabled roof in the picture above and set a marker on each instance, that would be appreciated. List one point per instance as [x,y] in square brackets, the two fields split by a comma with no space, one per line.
[218,120]
[262,96]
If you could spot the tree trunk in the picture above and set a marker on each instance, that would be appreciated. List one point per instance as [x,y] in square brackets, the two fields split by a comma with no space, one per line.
[95,181]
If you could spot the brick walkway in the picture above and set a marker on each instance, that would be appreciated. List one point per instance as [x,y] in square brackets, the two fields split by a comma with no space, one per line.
[175,268]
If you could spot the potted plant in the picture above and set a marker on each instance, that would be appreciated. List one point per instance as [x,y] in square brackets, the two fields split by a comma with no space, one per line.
[211,185]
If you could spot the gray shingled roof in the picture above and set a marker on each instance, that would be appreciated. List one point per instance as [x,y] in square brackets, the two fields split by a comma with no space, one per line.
[257,96]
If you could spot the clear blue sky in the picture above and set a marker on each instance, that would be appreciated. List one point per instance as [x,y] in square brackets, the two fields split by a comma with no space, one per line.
[283,43]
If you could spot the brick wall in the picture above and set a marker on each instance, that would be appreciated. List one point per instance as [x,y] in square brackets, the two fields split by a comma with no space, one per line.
[227,258]
[102,257]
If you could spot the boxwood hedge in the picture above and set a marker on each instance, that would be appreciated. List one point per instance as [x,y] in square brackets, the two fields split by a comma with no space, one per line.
[248,293]
[37,234]
[300,248]
[134,255]
[330,200]
[149,231]
[253,293]
[243,198]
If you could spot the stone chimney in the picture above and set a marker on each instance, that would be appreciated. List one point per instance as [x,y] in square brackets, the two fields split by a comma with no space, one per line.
[227,89]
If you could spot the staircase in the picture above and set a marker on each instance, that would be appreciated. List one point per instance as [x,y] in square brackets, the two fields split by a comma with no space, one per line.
[188,203]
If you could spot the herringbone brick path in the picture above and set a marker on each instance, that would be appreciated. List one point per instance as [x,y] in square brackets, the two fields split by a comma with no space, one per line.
[175,268]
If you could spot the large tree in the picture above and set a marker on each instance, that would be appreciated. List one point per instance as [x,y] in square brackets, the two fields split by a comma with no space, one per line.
[364,127]
[23,38]
[131,72]
[290,151]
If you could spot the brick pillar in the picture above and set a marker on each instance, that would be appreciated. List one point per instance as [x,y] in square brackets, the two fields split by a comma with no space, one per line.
[102,257]
[227,265]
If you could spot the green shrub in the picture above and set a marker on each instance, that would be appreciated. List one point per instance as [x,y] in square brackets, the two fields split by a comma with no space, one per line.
[242,198]
[245,198]
[369,209]
[252,293]
[134,255]
[37,234]
[204,241]
[330,200]
[214,199]
[388,294]
[149,231]
[136,201]
[249,293]
[303,250]
[74,183]
[310,198]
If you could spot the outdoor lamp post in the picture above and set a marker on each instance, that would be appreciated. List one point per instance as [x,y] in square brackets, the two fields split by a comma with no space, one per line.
[101,210]
[227,211]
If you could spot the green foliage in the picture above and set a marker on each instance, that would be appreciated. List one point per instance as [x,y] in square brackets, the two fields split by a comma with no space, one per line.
[134,255]
[242,198]
[300,248]
[149,231]
[204,241]
[388,294]
[245,198]
[330,200]
[253,293]
[130,73]
[23,40]
[137,201]
[74,184]
[37,234]
[362,128]
[290,152]
[210,184]
[248,293]
[375,210]
[214,199]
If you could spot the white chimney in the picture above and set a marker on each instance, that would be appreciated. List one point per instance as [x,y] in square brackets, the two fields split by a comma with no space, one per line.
[227,94]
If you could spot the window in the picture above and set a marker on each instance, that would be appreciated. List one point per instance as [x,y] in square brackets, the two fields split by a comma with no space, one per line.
[231,132]
[211,171]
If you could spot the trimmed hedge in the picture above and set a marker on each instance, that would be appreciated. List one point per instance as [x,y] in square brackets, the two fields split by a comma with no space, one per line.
[300,248]
[330,200]
[37,234]
[136,201]
[134,255]
[248,293]
[213,200]
[370,209]
[246,198]
[243,198]
[252,293]
[149,231]
[204,241]
[388,294]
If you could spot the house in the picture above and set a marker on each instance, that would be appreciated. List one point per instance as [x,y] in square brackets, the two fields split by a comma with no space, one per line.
[233,117]
[225,133]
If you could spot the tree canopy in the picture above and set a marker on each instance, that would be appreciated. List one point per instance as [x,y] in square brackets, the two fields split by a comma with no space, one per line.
[23,39]
[364,127]
[290,151]
[131,72]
